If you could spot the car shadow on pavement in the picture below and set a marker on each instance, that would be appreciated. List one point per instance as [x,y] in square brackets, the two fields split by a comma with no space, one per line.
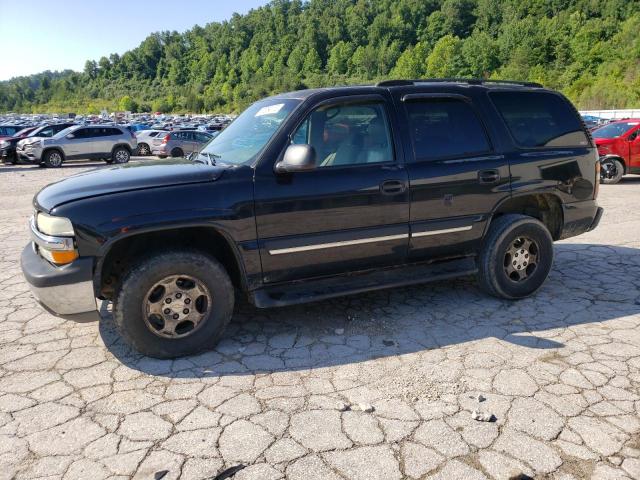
[583,288]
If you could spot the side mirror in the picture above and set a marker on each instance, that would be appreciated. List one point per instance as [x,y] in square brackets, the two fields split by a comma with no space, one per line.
[71,136]
[297,158]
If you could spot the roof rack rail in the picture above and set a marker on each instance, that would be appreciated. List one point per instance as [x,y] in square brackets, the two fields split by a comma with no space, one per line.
[470,81]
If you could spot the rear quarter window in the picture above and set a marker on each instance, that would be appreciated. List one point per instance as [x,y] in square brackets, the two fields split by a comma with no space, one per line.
[540,119]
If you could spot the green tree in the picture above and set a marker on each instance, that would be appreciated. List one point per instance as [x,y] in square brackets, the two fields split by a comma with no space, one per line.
[445,60]
[127,104]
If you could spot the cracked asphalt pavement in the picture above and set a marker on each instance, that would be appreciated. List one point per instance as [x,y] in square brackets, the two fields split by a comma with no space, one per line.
[375,386]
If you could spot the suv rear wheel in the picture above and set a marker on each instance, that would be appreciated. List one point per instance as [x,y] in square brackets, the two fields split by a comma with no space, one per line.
[177,152]
[173,304]
[120,155]
[516,257]
[143,149]
[53,158]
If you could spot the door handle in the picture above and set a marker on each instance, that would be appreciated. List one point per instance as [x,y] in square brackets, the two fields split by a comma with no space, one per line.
[392,187]
[488,176]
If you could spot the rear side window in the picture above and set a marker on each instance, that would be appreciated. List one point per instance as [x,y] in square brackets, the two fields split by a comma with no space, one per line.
[445,128]
[540,119]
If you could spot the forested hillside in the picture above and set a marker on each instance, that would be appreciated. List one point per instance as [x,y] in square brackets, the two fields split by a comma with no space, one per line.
[589,49]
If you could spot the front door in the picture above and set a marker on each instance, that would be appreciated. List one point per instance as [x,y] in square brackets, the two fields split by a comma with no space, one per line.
[455,177]
[82,144]
[351,212]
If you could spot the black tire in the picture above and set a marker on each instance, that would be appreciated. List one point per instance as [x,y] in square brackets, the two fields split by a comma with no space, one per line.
[504,233]
[177,152]
[53,159]
[120,155]
[162,156]
[143,149]
[131,298]
[611,171]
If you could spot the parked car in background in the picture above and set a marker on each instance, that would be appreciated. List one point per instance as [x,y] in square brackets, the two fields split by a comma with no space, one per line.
[317,194]
[179,143]
[618,148]
[46,131]
[9,130]
[109,143]
[8,145]
[145,140]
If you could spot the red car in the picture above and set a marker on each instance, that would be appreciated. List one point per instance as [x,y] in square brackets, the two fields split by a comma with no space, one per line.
[619,149]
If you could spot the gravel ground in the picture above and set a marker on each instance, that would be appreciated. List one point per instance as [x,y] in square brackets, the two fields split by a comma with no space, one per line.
[374,386]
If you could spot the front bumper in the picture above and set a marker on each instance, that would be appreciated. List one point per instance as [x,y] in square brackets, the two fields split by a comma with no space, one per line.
[580,217]
[8,154]
[29,154]
[65,291]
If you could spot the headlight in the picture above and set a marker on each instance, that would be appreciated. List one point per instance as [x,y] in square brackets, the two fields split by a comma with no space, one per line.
[55,226]
[4,144]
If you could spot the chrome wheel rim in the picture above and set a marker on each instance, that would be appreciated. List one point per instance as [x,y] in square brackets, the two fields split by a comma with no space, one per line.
[121,156]
[55,159]
[144,150]
[176,306]
[521,259]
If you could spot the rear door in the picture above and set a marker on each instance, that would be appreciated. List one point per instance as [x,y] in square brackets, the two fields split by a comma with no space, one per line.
[103,141]
[456,177]
[201,140]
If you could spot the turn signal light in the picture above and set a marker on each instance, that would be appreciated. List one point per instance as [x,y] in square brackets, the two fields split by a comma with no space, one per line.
[59,257]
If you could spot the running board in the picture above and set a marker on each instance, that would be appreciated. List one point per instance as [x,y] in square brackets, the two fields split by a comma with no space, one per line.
[337,286]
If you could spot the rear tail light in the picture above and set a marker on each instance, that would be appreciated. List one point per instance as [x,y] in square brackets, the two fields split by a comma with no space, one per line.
[166,139]
[133,134]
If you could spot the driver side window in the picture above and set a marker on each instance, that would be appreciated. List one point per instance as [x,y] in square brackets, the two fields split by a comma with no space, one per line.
[347,134]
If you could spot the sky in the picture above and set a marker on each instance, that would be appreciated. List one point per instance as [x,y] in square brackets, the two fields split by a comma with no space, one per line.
[40,35]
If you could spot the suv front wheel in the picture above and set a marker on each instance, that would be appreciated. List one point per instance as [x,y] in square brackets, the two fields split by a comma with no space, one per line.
[120,155]
[53,158]
[516,257]
[174,303]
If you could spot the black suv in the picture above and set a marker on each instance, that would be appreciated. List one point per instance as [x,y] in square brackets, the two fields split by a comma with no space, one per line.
[316,194]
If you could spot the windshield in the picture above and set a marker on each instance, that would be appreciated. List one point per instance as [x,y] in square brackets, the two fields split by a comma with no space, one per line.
[247,134]
[613,130]
[64,132]
[22,132]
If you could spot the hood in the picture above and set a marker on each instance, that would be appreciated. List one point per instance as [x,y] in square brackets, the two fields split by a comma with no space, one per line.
[29,140]
[124,178]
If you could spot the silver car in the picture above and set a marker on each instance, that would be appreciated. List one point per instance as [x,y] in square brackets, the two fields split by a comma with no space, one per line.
[145,140]
[179,143]
[110,143]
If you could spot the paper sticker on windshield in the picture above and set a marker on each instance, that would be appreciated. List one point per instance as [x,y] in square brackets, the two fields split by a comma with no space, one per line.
[269,110]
